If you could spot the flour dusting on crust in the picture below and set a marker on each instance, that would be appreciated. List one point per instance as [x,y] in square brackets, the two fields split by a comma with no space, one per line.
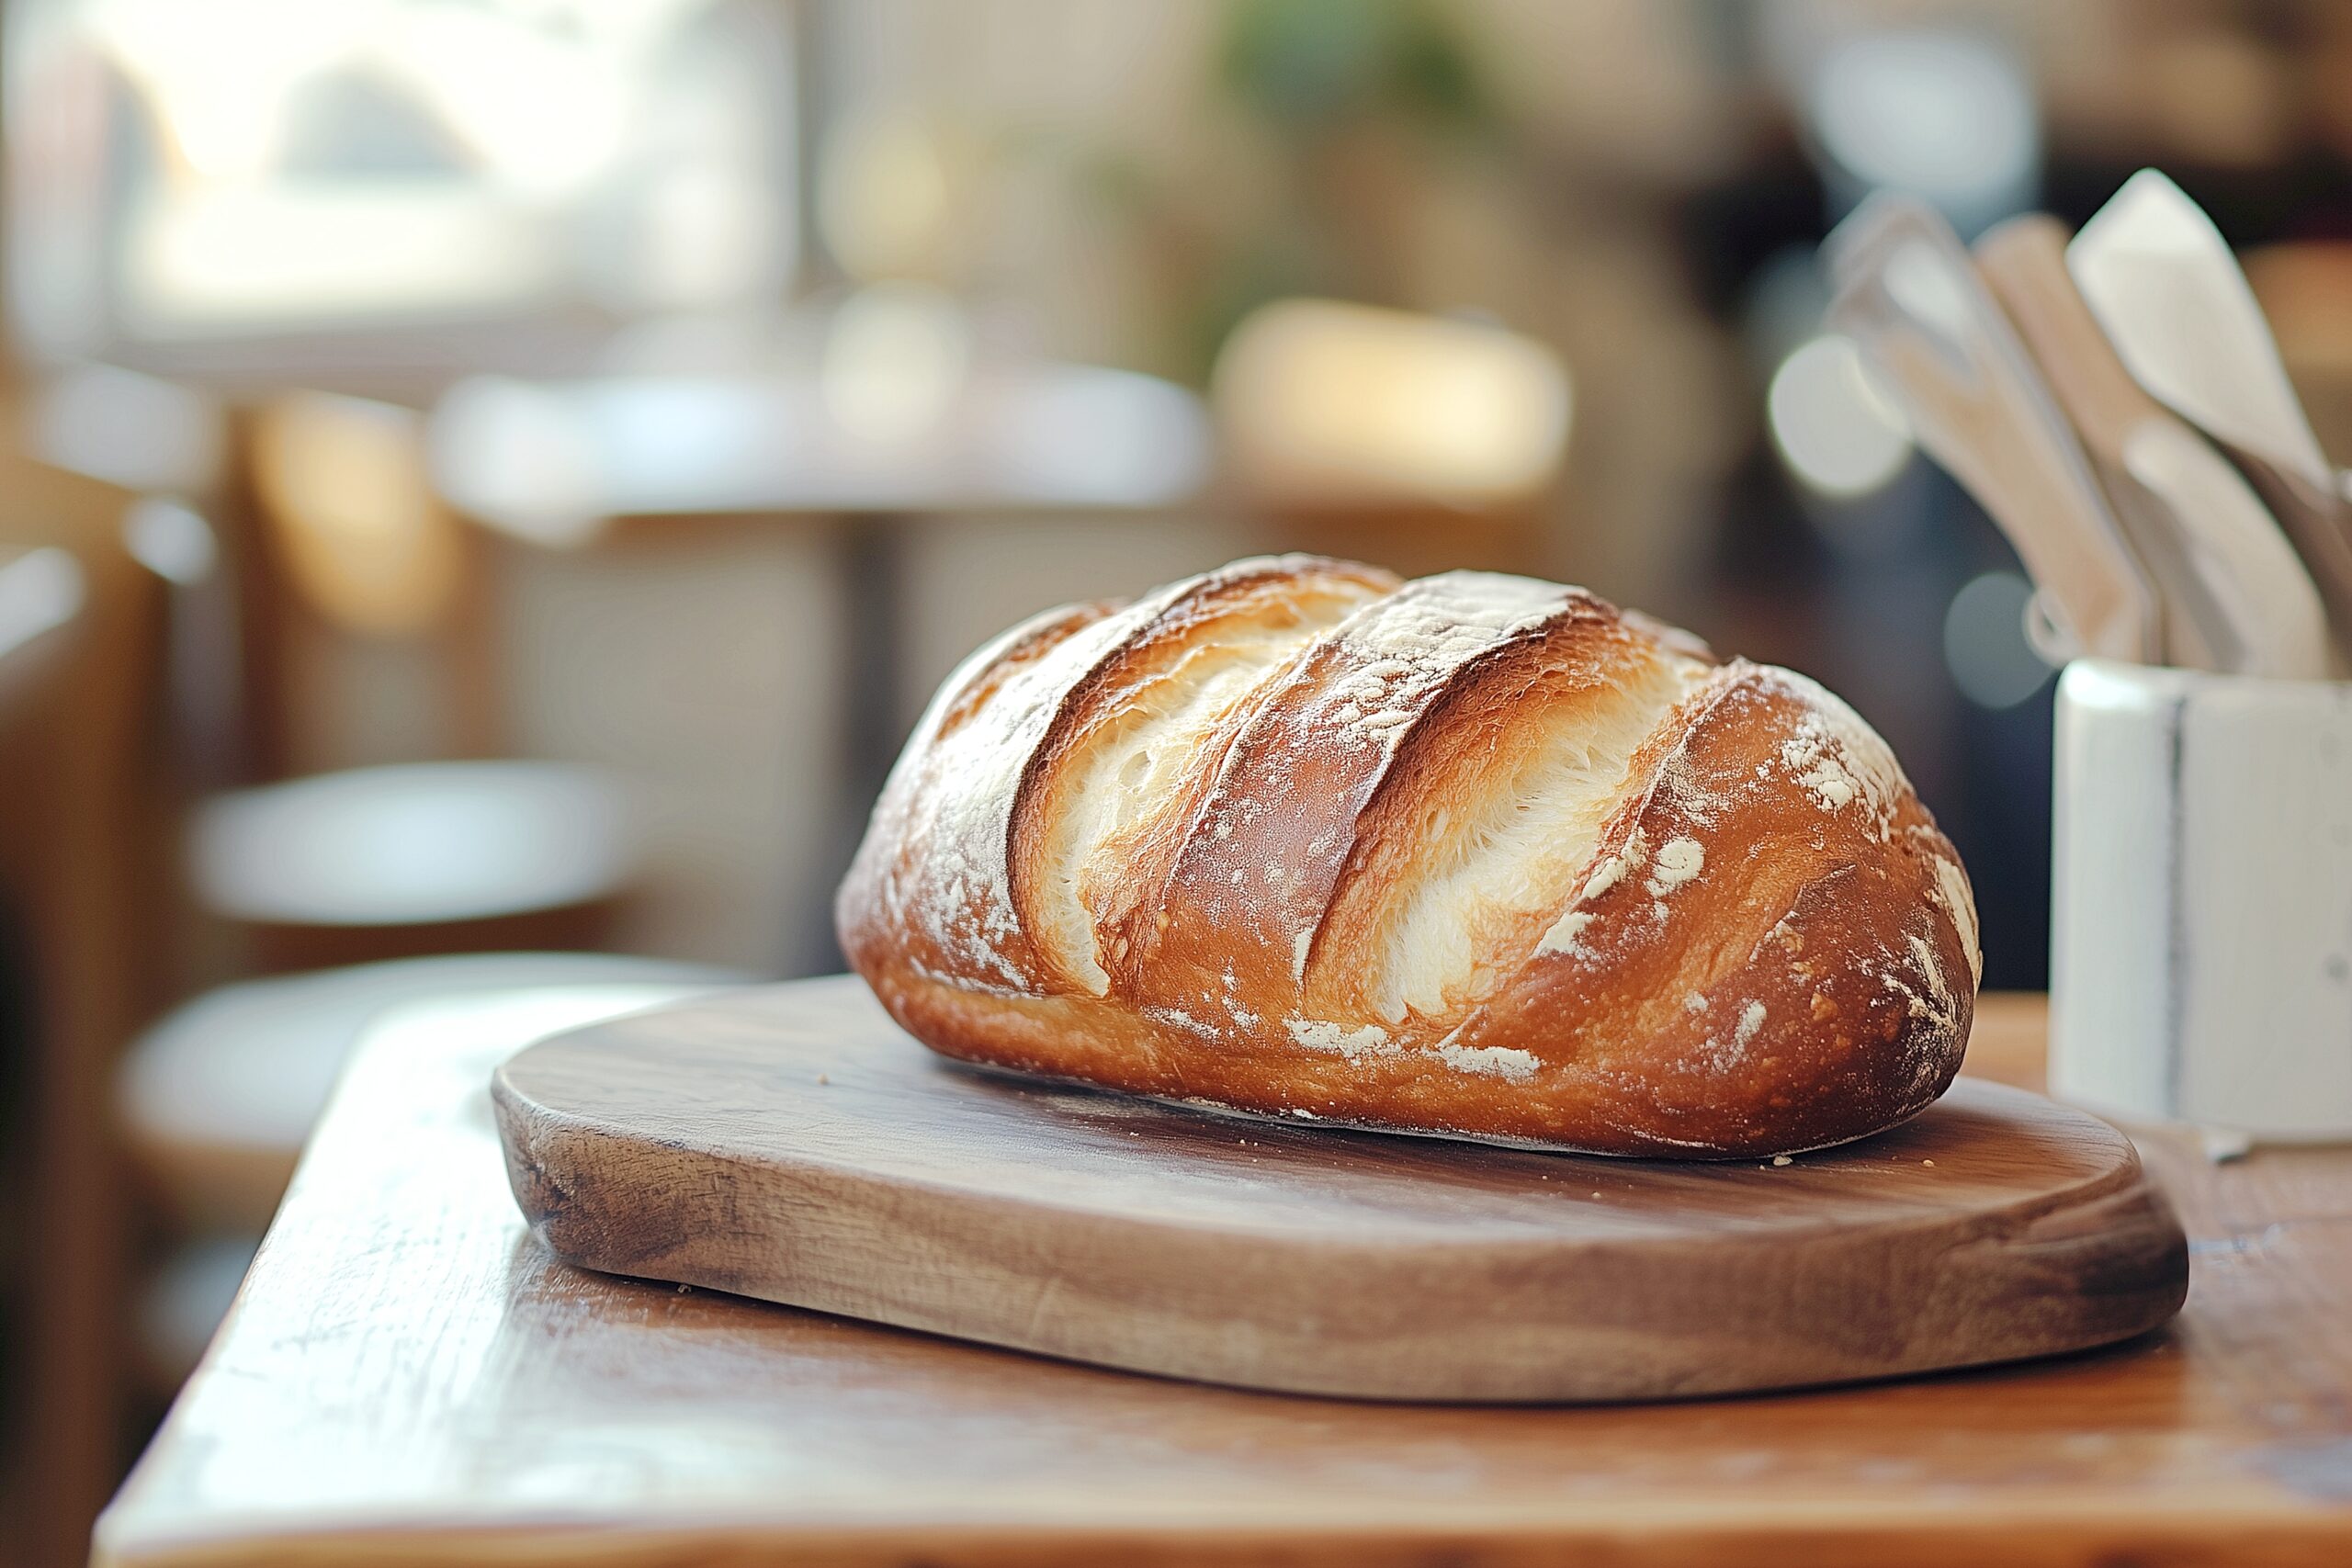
[961,897]
[1950,890]
[1411,643]
[1679,860]
[1504,1062]
[1356,1043]
[1370,1043]
[1564,932]
[1839,760]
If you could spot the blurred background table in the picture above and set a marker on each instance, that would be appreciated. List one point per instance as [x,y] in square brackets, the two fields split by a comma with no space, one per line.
[860,448]
[408,1377]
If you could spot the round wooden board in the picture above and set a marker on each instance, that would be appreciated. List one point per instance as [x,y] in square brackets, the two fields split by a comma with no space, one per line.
[792,1143]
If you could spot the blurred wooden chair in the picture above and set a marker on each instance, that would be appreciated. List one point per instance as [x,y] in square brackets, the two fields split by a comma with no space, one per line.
[362,636]
[217,1100]
[376,824]
[366,632]
[411,860]
[81,838]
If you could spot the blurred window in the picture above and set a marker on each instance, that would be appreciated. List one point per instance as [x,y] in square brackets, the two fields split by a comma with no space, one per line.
[186,172]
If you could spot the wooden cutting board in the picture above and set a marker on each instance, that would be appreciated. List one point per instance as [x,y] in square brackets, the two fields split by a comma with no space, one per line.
[791,1143]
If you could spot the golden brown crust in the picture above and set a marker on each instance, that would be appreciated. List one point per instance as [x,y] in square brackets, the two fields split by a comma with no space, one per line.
[1474,855]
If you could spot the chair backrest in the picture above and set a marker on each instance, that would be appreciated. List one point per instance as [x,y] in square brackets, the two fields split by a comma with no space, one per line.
[360,593]
[80,837]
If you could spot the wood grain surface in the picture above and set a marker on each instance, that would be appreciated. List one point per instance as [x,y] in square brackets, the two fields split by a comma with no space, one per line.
[410,1378]
[791,1143]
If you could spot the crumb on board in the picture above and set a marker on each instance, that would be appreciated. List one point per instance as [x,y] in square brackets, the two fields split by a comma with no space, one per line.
[1781,1159]
[1927,1162]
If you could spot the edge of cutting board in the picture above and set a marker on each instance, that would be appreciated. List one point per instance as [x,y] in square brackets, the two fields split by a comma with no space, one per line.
[791,1143]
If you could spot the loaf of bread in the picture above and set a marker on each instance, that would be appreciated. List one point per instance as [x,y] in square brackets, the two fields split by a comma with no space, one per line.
[1474,855]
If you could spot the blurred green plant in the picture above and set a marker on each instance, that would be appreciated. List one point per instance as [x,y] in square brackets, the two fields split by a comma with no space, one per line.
[1350,110]
[1315,66]
[1339,86]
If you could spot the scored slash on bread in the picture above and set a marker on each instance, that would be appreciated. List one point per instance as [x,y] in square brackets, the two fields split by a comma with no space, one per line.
[1473,854]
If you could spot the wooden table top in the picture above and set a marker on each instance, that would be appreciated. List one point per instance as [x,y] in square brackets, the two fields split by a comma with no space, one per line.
[408,1377]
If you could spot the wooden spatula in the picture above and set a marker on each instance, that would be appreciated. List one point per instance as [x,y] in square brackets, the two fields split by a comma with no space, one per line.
[2236,596]
[2172,299]
[1909,295]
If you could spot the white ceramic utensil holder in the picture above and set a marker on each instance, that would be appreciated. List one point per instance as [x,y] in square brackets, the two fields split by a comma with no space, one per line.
[2201,962]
